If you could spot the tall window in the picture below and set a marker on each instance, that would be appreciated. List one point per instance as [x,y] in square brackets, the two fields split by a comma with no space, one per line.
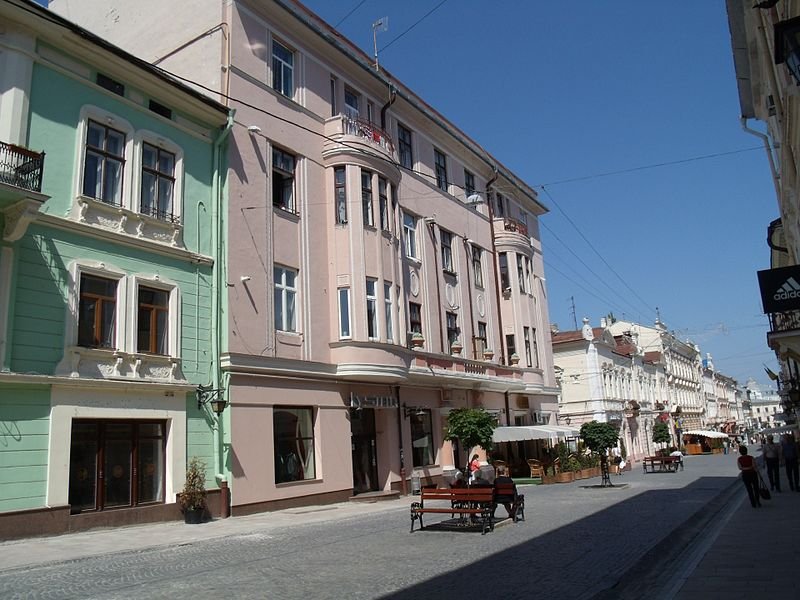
[372,309]
[285,299]
[505,280]
[340,195]
[440,160]
[422,438]
[282,69]
[415,317]
[344,313]
[283,180]
[499,205]
[469,183]
[334,107]
[366,198]
[410,235]
[510,347]
[447,251]
[97,312]
[477,265]
[528,273]
[153,321]
[535,349]
[452,328]
[521,272]
[388,305]
[351,102]
[115,464]
[158,183]
[404,148]
[104,163]
[383,204]
[526,333]
[480,340]
[293,435]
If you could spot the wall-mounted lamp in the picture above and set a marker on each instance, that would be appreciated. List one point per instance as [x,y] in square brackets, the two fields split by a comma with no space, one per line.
[207,394]
[412,411]
[254,129]
[567,420]
[244,278]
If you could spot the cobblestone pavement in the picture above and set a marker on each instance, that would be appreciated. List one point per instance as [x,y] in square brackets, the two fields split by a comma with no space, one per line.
[575,543]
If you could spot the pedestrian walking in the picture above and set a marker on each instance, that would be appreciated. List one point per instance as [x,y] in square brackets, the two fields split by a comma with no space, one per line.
[773,455]
[789,449]
[747,465]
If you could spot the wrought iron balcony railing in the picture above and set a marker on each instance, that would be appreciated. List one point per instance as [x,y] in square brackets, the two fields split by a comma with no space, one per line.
[368,131]
[514,225]
[784,321]
[21,167]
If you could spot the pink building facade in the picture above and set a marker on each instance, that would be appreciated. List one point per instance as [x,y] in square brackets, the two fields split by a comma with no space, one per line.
[382,268]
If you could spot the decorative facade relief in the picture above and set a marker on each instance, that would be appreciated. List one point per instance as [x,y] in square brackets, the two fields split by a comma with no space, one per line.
[95,363]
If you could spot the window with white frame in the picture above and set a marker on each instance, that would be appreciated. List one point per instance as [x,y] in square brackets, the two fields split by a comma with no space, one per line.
[505,280]
[528,273]
[440,164]
[372,309]
[285,299]
[344,313]
[410,235]
[97,311]
[293,437]
[351,103]
[414,317]
[499,205]
[104,163]
[526,334]
[477,265]
[451,320]
[521,272]
[383,204]
[366,198]
[480,340]
[447,251]
[388,304]
[158,183]
[282,69]
[283,167]
[152,335]
[334,103]
[340,194]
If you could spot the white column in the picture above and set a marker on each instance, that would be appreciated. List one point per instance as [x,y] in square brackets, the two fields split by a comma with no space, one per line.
[16,71]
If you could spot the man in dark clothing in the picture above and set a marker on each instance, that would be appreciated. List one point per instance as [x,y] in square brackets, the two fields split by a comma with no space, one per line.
[773,456]
[789,448]
[508,501]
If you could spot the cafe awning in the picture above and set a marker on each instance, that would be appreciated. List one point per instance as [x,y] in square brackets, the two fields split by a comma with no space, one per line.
[705,433]
[521,433]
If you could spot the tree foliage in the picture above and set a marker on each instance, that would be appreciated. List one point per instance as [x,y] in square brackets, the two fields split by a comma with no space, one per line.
[661,433]
[193,496]
[599,436]
[471,427]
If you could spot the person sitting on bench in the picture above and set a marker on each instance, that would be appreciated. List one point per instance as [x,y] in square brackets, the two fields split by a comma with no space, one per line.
[506,500]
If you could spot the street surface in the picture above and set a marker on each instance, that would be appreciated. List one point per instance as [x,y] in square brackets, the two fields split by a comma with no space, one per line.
[575,543]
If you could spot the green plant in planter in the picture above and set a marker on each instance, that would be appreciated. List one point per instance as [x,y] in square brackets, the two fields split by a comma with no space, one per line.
[599,437]
[192,498]
[573,463]
[661,433]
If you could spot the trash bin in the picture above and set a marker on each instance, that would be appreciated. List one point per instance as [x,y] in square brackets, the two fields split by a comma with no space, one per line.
[416,483]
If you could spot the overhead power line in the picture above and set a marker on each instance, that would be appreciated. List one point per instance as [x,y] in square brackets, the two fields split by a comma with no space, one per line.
[354,9]
[417,22]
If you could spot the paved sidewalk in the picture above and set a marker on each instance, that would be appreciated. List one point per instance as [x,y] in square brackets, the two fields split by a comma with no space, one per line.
[752,555]
[99,542]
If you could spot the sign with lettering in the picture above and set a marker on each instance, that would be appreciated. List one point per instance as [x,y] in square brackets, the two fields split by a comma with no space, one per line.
[357,401]
[780,289]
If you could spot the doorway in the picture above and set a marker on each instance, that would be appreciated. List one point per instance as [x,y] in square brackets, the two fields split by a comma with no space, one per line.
[365,458]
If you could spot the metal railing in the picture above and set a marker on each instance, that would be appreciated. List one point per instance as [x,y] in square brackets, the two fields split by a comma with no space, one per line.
[368,131]
[784,321]
[21,167]
[514,225]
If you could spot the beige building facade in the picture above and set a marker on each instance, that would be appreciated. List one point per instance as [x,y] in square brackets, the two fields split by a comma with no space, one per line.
[382,268]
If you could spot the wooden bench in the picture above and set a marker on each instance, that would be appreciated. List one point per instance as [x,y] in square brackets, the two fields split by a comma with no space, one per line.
[471,503]
[507,493]
[661,464]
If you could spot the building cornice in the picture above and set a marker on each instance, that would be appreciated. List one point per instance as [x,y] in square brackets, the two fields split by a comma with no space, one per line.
[86,382]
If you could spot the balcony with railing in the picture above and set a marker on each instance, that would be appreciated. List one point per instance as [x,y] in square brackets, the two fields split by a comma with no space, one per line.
[21,168]
[349,134]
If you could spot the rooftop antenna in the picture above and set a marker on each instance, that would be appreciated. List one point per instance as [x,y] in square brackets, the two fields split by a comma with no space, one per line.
[574,316]
[381,24]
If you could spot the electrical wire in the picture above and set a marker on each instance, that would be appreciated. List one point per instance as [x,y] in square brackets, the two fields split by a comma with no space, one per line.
[420,20]
[354,9]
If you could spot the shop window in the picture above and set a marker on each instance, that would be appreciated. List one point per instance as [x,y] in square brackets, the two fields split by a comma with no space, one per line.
[116,464]
[422,438]
[293,430]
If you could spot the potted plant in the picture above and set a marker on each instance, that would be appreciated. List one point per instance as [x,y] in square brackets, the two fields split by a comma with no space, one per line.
[488,354]
[564,474]
[599,437]
[456,348]
[417,340]
[515,359]
[192,498]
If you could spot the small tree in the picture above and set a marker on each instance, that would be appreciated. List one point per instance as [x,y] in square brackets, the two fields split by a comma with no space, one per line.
[471,427]
[661,433]
[599,437]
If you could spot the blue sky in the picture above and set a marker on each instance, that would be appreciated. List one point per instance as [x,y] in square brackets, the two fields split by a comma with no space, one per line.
[563,91]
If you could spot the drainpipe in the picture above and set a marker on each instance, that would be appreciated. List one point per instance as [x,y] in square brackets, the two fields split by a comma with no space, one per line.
[403,489]
[495,268]
[508,411]
[219,286]
[768,147]
[432,222]
[392,98]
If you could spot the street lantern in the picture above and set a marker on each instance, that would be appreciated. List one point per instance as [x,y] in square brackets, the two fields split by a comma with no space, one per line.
[212,396]
[787,45]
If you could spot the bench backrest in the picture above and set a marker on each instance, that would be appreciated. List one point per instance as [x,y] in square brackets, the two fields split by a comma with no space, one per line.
[505,489]
[474,494]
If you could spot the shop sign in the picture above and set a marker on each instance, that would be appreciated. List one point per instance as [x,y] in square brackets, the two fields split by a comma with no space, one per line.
[780,289]
[357,401]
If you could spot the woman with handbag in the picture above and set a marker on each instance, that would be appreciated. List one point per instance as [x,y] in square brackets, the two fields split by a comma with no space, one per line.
[747,465]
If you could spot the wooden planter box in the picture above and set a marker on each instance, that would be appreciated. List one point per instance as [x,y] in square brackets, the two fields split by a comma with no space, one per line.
[565,477]
[548,479]
[587,473]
